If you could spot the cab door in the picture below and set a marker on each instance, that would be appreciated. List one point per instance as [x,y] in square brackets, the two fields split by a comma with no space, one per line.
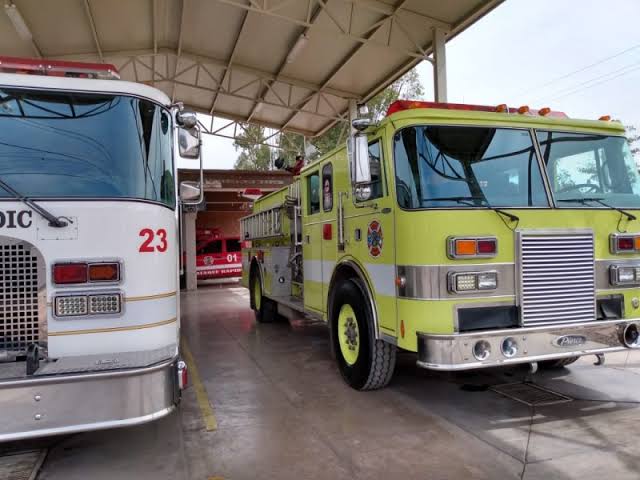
[369,227]
[312,241]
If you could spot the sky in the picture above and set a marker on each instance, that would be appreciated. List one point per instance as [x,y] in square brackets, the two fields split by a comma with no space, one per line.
[581,57]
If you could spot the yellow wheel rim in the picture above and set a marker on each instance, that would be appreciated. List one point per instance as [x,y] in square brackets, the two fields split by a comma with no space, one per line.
[348,334]
[257,294]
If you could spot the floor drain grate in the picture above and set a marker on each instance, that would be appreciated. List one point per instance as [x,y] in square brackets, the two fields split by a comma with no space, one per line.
[530,394]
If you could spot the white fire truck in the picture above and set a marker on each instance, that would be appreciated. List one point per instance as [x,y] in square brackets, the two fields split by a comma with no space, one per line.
[89,215]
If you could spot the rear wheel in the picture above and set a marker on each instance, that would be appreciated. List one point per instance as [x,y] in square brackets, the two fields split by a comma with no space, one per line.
[263,308]
[364,362]
[556,364]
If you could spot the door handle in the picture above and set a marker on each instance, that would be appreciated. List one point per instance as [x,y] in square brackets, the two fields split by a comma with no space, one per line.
[307,239]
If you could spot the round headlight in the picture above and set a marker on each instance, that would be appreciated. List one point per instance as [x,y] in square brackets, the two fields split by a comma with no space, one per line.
[509,347]
[482,350]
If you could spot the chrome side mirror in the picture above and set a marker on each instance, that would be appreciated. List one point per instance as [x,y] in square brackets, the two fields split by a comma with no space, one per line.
[187,118]
[190,192]
[189,142]
[361,171]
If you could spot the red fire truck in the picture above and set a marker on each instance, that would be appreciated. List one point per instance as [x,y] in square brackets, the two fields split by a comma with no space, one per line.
[217,256]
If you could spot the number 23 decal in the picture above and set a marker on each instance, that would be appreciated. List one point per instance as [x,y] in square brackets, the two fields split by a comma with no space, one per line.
[148,245]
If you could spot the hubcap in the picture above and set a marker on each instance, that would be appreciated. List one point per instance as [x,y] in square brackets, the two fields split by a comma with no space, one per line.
[348,334]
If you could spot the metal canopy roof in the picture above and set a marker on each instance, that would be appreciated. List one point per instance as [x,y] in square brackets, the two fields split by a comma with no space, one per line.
[287,64]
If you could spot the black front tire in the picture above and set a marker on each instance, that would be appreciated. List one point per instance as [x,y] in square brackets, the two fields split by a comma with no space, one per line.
[556,364]
[265,310]
[376,360]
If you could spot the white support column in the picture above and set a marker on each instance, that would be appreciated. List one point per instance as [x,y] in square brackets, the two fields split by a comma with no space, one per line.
[353,114]
[439,65]
[189,226]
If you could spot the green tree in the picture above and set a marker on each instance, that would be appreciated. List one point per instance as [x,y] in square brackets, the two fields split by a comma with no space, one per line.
[408,86]
[633,137]
[257,157]
[254,155]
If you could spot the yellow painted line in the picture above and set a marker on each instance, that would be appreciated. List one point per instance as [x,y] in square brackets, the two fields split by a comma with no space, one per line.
[113,329]
[208,417]
[150,297]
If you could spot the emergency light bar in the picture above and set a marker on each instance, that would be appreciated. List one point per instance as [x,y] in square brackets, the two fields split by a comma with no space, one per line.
[57,68]
[401,105]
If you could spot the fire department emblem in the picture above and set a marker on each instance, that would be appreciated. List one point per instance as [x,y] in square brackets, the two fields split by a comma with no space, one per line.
[374,238]
[208,260]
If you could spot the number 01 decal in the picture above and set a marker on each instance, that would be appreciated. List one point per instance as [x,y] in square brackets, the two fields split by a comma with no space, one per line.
[150,243]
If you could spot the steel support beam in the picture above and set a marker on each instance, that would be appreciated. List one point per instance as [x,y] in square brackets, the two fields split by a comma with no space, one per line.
[179,52]
[227,68]
[362,39]
[92,25]
[346,60]
[313,17]
[439,65]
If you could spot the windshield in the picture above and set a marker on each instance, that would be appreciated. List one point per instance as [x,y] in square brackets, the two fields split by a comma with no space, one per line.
[587,166]
[61,145]
[444,166]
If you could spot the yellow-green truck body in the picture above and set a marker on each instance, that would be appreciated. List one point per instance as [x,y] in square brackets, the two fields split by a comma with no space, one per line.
[403,255]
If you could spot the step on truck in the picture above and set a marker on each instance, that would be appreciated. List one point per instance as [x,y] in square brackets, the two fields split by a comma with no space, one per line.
[89,214]
[474,236]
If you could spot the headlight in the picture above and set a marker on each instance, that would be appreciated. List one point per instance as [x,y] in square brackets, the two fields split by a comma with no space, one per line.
[624,274]
[71,306]
[487,281]
[461,282]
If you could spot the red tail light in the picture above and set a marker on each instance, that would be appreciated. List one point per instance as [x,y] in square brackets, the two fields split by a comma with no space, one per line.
[66,273]
[487,246]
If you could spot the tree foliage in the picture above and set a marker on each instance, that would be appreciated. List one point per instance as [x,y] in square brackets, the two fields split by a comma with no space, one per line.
[633,137]
[254,155]
[257,157]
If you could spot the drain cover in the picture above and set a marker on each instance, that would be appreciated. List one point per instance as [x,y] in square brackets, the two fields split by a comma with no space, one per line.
[530,394]
[21,465]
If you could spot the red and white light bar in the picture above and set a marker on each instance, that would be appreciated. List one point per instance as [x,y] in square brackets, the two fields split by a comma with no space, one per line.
[401,105]
[57,68]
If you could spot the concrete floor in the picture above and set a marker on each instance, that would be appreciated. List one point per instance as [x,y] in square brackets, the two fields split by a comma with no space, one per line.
[284,413]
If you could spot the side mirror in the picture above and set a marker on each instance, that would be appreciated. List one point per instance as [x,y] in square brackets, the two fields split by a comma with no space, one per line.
[187,119]
[361,172]
[190,193]
[189,142]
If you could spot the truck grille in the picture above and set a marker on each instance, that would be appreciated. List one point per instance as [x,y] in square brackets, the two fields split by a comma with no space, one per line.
[557,278]
[19,308]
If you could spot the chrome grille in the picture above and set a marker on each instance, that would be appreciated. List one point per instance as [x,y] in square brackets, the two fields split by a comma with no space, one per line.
[19,312]
[556,278]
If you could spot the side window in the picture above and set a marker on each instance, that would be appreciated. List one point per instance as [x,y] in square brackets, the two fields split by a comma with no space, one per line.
[233,245]
[375,166]
[313,191]
[211,248]
[327,187]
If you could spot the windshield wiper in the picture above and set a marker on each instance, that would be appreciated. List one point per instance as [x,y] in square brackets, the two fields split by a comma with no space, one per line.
[54,221]
[584,200]
[468,201]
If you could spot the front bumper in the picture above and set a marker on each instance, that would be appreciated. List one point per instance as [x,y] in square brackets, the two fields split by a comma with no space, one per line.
[455,352]
[64,403]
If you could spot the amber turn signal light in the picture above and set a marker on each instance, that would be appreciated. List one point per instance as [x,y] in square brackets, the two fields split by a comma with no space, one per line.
[104,272]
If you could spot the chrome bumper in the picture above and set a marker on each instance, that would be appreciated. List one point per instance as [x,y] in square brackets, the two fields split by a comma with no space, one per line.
[67,403]
[455,352]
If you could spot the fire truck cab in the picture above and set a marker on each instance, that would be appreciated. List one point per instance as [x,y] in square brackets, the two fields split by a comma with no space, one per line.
[89,209]
[474,236]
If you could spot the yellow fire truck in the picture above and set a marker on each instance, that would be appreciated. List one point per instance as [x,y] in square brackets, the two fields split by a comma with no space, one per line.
[475,236]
